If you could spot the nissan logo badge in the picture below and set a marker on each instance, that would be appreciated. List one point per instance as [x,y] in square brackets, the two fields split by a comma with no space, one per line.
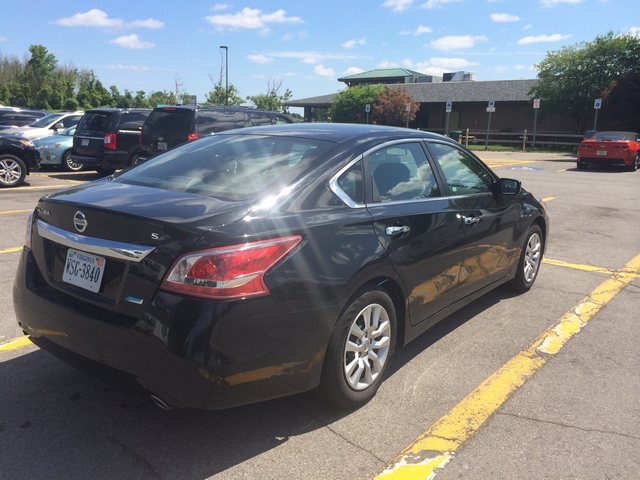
[80,221]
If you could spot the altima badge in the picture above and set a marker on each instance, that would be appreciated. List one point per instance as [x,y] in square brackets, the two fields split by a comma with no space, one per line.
[80,221]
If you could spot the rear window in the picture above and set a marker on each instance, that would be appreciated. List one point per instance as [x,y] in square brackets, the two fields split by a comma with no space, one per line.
[614,136]
[234,167]
[94,123]
[177,121]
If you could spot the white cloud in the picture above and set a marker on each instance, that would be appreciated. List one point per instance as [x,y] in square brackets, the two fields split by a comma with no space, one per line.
[387,64]
[262,59]
[421,30]
[436,3]
[527,27]
[324,72]
[3,39]
[353,43]
[97,18]
[504,17]
[635,31]
[251,18]
[352,71]
[131,41]
[454,42]
[398,5]
[221,6]
[542,38]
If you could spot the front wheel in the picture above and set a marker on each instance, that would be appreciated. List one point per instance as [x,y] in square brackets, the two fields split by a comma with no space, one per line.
[359,351]
[530,261]
[12,171]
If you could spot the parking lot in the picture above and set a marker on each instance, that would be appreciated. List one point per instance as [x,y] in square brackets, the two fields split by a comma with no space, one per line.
[540,385]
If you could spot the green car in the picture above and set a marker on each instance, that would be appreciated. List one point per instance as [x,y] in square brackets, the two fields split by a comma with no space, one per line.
[54,150]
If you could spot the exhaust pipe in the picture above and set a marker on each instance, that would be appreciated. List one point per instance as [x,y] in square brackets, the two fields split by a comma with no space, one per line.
[161,403]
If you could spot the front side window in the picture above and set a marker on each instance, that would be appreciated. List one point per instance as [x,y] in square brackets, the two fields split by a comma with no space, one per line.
[464,175]
[402,172]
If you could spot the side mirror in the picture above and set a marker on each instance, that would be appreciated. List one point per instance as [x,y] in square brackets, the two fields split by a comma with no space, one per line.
[508,186]
[58,126]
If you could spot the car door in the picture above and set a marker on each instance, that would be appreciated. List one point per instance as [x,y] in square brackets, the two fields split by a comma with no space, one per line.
[489,220]
[418,226]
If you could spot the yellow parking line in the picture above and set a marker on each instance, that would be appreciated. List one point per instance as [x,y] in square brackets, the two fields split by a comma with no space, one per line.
[10,250]
[437,445]
[10,212]
[15,343]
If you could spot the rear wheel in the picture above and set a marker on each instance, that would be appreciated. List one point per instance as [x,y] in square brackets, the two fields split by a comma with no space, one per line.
[580,165]
[69,164]
[634,165]
[12,171]
[530,261]
[359,350]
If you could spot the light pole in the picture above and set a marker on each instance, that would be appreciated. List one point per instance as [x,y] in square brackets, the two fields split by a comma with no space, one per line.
[226,69]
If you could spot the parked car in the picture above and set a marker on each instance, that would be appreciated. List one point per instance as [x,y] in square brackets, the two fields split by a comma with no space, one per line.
[48,125]
[267,261]
[18,158]
[108,139]
[610,148]
[55,149]
[11,117]
[168,127]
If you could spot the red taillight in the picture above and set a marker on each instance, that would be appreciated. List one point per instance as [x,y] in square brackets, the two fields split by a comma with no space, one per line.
[192,136]
[110,141]
[229,272]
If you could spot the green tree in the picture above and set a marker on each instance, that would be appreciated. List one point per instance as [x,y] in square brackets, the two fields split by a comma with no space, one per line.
[40,68]
[571,79]
[349,105]
[218,96]
[390,107]
[272,100]
[622,102]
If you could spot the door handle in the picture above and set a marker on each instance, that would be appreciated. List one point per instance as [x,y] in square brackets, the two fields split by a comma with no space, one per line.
[472,220]
[397,230]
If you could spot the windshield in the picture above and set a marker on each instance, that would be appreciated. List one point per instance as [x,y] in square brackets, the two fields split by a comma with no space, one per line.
[234,167]
[47,120]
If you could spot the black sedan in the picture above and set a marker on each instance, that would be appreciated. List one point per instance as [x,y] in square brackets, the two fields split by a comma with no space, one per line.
[18,157]
[262,262]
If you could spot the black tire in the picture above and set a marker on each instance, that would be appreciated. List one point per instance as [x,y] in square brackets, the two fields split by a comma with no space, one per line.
[359,351]
[581,166]
[530,260]
[68,164]
[12,171]
[634,165]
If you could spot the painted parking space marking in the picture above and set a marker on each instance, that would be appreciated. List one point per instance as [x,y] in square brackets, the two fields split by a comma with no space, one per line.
[10,250]
[15,343]
[437,446]
[11,212]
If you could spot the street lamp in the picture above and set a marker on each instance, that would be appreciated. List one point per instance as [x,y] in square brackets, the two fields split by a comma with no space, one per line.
[226,69]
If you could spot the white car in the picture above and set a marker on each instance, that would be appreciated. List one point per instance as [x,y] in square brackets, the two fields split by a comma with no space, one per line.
[48,125]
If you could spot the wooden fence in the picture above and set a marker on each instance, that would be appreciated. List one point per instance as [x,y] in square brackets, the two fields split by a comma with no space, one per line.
[523,140]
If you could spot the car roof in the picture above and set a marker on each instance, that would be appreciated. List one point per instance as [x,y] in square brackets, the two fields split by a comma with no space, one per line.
[337,132]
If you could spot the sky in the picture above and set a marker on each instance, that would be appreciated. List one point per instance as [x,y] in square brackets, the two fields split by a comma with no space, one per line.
[302,45]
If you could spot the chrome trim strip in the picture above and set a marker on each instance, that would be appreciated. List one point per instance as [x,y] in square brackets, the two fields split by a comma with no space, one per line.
[342,195]
[107,248]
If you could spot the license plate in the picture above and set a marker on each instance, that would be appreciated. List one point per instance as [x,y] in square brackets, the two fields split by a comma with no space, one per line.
[85,142]
[162,145]
[83,270]
[601,152]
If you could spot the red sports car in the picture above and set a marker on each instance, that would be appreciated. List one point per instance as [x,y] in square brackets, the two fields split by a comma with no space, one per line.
[610,148]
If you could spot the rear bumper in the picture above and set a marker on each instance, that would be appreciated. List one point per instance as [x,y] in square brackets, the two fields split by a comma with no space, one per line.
[191,353]
[109,159]
[605,161]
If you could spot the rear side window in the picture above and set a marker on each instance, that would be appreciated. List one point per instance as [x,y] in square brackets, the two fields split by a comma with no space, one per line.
[235,167]
[170,121]
[259,118]
[132,120]
[94,123]
[218,121]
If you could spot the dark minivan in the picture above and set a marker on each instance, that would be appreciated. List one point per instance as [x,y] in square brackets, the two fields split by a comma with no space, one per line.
[167,127]
[109,138]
